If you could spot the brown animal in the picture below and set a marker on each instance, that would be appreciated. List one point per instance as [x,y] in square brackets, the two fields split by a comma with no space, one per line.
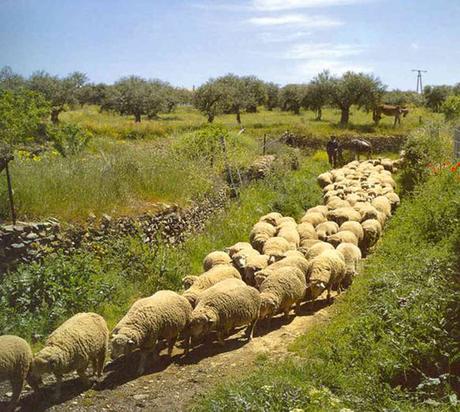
[390,110]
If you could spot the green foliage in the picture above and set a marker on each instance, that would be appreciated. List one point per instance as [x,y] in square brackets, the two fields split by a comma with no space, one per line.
[291,97]
[435,96]
[70,139]
[10,80]
[425,148]
[403,98]
[21,116]
[392,343]
[451,107]
[318,93]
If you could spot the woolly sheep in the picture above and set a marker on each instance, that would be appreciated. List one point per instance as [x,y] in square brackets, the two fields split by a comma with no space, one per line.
[161,316]
[317,249]
[216,258]
[354,227]
[353,198]
[260,233]
[275,247]
[324,179]
[223,308]
[382,218]
[208,279]
[394,200]
[286,220]
[280,291]
[306,231]
[315,218]
[271,218]
[15,361]
[382,204]
[239,259]
[372,231]
[318,209]
[231,250]
[297,262]
[366,210]
[352,255]
[337,203]
[325,272]
[72,346]
[290,233]
[293,253]
[323,230]
[254,264]
[343,214]
[344,236]
[306,245]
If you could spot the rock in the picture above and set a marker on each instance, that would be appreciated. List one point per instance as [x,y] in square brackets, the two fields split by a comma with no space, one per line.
[32,236]
[106,219]
[18,246]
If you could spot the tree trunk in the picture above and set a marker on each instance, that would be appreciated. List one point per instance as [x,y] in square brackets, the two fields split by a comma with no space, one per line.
[319,114]
[55,115]
[296,110]
[210,117]
[345,116]
[238,117]
[137,117]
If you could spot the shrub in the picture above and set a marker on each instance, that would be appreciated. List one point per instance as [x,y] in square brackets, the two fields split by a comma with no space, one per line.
[69,139]
[451,107]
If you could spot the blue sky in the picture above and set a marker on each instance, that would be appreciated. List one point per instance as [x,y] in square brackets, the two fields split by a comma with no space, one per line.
[187,42]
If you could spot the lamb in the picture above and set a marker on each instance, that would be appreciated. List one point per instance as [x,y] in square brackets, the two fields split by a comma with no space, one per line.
[297,262]
[231,250]
[344,236]
[216,258]
[325,272]
[306,231]
[271,218]
[352,255]
[343,214]
[161,316]
[15,362]
[325,229]
[254,264]
[280,291]
[72,346]
[208,279]
[317,249]
[315,218]
[382,204]
[275,247]
[354,227]
[324,179]
[260,233]
[222,308]
[372,231]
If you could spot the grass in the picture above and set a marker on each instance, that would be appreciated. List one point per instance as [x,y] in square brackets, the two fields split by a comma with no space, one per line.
[392,343]
[107,276]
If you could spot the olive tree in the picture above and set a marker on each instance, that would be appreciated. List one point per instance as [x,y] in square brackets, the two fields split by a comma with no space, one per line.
[435,96]
[291,97]
[207,98]
[318,93]
[363,90]
[272,91]
[10,80]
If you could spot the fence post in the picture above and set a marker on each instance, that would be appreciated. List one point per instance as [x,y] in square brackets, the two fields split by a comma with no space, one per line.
[10,191]
[265,143]
[227,167]
[457,143]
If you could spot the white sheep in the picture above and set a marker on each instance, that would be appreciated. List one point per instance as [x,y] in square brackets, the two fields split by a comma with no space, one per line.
[325,272]
[325,229]
[271,218]
[317,249]
[208,279]
[306,231]
[231,250]
[149,320]
[254,264]
[372,232]
[344,236]
[80,340]
[15,362]
[298,262]
[239,259]
[352,255]
[260,233]
[290,233]
[394,200]
[275,247]
[223,307]
[216,258]
[342,214]
[354,227]
[315,218]
[318,209]
[382,204]
[366,210]
[324,179]
[281,290]
[306,245]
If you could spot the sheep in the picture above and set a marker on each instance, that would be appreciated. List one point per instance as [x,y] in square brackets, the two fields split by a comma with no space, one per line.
[352,255]
[293,261]
[275,247]
[231,250]
[15,362]
[223,308]
[216,258]
[208,279]
[382,204]
[317,249]
[306,245]
[323,230]
[337,203]
[366,210]
[254,264]
[306,231]
[382,218]
[372,231]
[285,220]
[394,200]
[293,253]
[72,346]
[271,218]
[343,214]
[354,227]
[315,218]
[324,179]
[239,259]
[325,272]
[290,233]
[318,209]
[279,291]
[260,233]
[344,236]
[161,316]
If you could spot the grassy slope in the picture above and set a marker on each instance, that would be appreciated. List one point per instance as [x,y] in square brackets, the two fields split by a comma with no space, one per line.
[393,342]
[107,276]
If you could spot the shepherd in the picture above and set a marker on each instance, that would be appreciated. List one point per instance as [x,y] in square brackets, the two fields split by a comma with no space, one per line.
[332,148]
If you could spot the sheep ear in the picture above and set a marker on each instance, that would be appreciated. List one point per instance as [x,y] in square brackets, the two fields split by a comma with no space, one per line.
[130,342]
[52,362]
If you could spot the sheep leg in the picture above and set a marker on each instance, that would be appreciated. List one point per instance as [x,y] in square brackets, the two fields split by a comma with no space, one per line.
[100,362]
[57,392]
[171,343]
[141,369]
[250,330]
[16,386]
[220,338]
[83,376]
[297,307]
[187,345]
[328,297]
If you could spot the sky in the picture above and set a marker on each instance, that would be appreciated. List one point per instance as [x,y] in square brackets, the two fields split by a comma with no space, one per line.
[188,42]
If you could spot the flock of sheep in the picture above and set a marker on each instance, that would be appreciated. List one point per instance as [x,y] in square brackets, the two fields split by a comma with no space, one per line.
[284,264]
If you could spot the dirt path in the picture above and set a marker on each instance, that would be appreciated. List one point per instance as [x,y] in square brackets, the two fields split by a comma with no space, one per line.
[171,384]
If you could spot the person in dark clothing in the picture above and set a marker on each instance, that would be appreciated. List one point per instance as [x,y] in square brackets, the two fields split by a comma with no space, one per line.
[332,150]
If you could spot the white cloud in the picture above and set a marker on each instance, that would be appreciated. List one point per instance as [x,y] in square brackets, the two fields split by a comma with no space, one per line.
[273,5]
[277,37]
[295,19]
[338,67]
[415,46]
[322,51]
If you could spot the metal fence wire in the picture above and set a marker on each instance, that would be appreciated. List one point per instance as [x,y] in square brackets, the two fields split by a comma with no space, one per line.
[457,143]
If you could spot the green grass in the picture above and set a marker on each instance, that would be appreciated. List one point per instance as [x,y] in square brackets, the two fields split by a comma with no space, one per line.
[106,276]
[392,343]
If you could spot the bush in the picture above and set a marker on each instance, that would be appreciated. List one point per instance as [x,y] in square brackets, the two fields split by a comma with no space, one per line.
[451,107]
[70,139]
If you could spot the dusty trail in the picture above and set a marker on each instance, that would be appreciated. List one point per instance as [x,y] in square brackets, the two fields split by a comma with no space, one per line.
[171,384]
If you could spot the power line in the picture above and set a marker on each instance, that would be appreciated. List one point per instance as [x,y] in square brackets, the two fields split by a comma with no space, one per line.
[419,79]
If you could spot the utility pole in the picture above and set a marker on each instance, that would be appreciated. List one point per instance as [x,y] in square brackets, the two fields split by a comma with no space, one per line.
[419,79]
